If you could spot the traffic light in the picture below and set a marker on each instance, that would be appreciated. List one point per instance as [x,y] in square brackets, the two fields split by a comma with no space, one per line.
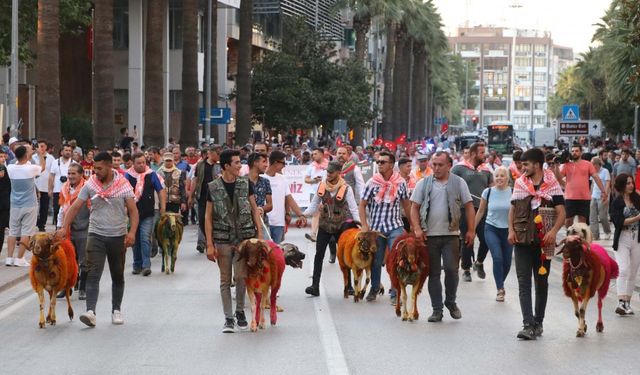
[474,120]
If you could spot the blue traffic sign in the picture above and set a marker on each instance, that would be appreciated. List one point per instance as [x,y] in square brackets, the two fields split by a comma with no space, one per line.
[218,115]
[571,112]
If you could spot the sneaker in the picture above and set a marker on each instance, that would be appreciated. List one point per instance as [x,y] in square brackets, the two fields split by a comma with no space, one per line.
[62,294]
[351,291]
[527,333]
[310,237]
[229,326]
[116,317]
[146,272]
[480,269]
[538,329]
[500,296]
[136,271]
[627,308]
[435,317]
[466,276]
[8,262]
[332,258]
[82,295]
[200,248]
[622,308]
[88,318]
[454,311]
[312,290]
[241,320]
[372,295]
[20,262]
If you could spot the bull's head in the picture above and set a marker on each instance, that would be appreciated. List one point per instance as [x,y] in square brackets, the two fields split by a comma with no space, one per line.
[407,253]
[573,249]
[292,255]
[367,243]
[253,252]
[173,220]
[42,244]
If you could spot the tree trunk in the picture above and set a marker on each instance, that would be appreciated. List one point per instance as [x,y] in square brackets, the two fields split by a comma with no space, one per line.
[48,121]
[401,78]
[214,65]
[190,102]
[104,134]
[387,101]
[422,89]
[431,131]
[243,82]
[153,79]
[361,26]
[418,92]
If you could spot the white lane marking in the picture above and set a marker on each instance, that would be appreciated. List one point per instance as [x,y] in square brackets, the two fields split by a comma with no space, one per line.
[336,362]
[14,307]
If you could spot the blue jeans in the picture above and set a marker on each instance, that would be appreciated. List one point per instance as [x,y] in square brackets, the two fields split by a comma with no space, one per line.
[383,245]
[501,252]
[277,233]
[142,247]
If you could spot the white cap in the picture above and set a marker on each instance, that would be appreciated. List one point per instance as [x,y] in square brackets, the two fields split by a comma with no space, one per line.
[12,140]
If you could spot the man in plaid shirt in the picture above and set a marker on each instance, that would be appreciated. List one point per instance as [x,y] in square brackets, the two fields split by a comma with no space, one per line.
[382,196]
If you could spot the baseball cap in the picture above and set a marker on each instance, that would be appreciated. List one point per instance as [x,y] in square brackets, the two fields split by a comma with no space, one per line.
[167,156]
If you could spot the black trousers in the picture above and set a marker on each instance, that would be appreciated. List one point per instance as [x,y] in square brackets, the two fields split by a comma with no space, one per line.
[202,208]
[43,213]
[322,240]
[527,265]
[467,251]
[56,207]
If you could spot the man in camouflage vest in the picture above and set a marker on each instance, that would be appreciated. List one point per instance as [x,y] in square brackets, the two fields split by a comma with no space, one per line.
[174,180]
[231,217]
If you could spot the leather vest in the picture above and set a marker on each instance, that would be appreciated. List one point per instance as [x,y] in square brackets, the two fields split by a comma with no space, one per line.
[232,220]
[335,210]
[172,184]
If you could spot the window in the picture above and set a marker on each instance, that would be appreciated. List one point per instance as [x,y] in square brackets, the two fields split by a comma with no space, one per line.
[175,24]
[541,76]
[540,106]
[495,105]
[120,24]
[539,120]
[522,105]
[541,62]
[540,91]
[523,61]
[175,100]
[523,91]
[521,120]
[496,63]
[495,91]
[487,120]
[121,99]
[523,49]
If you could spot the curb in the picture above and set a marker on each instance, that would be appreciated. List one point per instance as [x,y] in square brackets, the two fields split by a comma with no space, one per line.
[13,282]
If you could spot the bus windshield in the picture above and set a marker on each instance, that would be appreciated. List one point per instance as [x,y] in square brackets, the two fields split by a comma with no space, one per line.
[500,137]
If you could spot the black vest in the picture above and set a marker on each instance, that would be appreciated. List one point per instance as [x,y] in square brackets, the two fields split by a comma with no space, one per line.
[146,203]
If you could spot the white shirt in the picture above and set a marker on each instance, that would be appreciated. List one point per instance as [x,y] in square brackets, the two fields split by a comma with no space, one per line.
[279,192]
[312,173]
[58,169]
[42,182]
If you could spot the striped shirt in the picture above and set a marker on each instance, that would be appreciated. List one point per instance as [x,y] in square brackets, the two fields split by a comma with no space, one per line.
[384,217]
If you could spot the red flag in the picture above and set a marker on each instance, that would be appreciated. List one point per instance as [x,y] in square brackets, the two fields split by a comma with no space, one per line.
[379,141]
[339,142]
[390,145]
[444,128]
[402,139]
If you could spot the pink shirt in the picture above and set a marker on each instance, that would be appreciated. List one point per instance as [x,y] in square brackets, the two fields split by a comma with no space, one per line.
[577,174]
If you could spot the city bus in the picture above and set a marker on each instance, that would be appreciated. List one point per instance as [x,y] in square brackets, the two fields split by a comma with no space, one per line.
[500,136]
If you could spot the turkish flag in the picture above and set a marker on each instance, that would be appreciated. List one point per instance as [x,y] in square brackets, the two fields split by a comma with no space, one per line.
[444,128]
[402,139]
[379,141]
[390,145]
[339,142]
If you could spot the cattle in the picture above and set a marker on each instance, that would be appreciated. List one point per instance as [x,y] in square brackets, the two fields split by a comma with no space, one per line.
[356,251]
[169,231]
[265,263]
[408,264]
[54,269]
[587,268]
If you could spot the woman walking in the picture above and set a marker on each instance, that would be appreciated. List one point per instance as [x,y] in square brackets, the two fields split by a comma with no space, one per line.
[625,214]
[495,204]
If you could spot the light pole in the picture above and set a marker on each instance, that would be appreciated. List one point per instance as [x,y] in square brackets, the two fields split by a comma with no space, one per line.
[466,92]
[12,103]
[207,102]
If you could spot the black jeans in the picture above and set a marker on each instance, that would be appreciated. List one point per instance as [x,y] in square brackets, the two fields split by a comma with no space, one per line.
[322,240]
[44,211]
[527,263]
[56,207]
[467,251]
[444,254]
[112,249]
[202,208]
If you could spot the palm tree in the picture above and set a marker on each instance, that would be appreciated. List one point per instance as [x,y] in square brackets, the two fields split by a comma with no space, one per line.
[401,81]
[190,107]
[153,79]
[214,61]
[243,82]
[103,126]
[387,100]
[48,124]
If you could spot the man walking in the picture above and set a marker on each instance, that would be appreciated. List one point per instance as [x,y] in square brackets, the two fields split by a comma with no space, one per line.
[315,173]
[112,200]
[24,204]
[57,176]
[383,195]
[231,217]
[42,183]
[176,194]
[534,189]
[436,211]
[350,172]
[478,177]
[599,209]
[206,171]
[145,184]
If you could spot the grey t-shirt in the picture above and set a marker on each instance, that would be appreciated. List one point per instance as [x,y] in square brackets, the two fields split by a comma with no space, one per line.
[628,167]
[438,219]
[476,181]
[108,217]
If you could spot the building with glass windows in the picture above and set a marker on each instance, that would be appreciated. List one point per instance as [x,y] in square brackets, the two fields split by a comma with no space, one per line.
[515,73]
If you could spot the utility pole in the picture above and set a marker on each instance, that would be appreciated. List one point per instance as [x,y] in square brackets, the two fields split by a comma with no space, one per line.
[466,91]
[12,103]
[207,102]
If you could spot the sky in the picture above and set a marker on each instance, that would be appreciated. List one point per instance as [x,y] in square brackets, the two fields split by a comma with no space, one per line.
[570,21]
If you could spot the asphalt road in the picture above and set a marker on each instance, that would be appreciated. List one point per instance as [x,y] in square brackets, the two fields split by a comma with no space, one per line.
[173,326]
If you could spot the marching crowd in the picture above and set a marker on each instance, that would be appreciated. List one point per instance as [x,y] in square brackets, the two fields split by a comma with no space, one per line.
[108,200]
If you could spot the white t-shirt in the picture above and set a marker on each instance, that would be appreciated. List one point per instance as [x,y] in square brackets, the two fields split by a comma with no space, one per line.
[279,191]
[313,172]
[59,168]
[23,192]
[42,182]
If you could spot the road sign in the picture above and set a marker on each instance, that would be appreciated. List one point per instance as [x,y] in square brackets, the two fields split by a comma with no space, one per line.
[571,112]
[218,115]
[574,128]
[595,128]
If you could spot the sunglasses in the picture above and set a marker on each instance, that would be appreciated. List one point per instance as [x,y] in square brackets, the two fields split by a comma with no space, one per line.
[381,162]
